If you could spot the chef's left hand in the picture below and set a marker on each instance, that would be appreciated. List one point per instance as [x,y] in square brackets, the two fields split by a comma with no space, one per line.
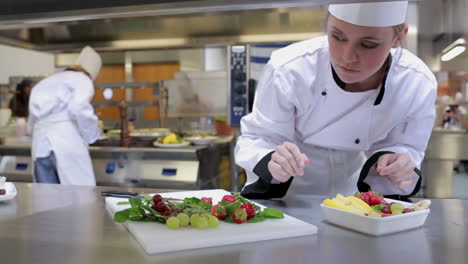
[398,168]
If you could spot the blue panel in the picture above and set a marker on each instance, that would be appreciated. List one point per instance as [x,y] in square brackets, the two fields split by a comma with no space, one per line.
[110,167]
[21,166]
[259,60]
[272,45]
[238,83]
[169,172]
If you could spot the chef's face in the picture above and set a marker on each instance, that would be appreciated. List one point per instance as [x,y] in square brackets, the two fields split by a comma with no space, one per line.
[358,52]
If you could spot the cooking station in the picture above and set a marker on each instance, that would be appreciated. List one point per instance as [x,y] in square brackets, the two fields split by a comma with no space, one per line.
[47,222]
[194,167]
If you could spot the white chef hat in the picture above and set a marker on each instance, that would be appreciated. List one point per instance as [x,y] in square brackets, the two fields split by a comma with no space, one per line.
[377,14]
[90,60]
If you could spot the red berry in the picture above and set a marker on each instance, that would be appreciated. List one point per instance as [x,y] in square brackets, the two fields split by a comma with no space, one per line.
[229,198]
[157,198]
[207,200]
[219,211]
[387,209]
[239,215]
[249,209]
[161,207]
[364,197]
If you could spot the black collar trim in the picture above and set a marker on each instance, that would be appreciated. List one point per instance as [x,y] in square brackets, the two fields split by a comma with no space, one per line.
[379,98]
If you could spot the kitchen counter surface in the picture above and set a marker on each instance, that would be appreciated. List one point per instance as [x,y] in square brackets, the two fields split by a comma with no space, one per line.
[69,224]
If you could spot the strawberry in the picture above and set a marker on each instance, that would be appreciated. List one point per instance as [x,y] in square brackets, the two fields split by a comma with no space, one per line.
[207,200]
[239,215]
[365,197]
[219,211]
[371,198]
[249,209]
[229,198]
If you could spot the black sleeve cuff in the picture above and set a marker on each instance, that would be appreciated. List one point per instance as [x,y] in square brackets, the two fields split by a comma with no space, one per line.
[263,188]
[364,187]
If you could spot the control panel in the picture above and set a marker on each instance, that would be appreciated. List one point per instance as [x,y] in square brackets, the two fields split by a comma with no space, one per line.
[237,84]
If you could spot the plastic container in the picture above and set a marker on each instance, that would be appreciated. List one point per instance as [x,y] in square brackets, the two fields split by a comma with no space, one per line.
[375,226]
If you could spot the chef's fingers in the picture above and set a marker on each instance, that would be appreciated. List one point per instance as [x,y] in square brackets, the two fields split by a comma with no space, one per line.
[296,153]
[395,162]
[384,161]
[285,153]
[277,172]
[306,159]
[405,173]
[283,162]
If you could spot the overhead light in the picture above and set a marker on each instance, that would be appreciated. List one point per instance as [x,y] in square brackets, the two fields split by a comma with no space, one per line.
[454,49]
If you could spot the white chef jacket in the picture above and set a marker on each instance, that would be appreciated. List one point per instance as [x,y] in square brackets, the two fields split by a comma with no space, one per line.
[298,100]
[61,119]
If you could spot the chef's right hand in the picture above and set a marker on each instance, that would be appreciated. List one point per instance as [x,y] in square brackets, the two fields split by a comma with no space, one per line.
[287,161]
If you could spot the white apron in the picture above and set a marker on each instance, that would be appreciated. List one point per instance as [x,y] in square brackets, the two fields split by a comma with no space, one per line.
[74,164]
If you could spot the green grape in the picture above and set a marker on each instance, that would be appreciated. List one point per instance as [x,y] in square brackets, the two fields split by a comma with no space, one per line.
[194,219]
[202,223]
[172,222]
[397,208]
[184,219]
[212,221]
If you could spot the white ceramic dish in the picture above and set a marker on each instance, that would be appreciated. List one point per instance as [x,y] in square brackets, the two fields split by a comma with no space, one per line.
[201,140]
[171,145]
[372,225]
[10,192]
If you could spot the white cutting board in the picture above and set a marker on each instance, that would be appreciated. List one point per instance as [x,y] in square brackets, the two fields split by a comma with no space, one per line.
[157,237]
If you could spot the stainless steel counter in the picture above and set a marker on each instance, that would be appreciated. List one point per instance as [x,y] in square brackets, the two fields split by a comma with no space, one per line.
[69,224]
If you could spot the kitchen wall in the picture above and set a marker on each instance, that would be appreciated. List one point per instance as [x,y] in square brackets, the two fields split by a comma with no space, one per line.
[22,62]
[197,59]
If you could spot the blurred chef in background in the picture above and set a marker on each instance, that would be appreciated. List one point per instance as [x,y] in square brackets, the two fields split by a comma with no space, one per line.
[63,123]
[19,102]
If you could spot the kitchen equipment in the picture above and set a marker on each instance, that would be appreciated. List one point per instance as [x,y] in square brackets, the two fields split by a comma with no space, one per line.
[201,140]
[372,225]
[171,145]
[158,238]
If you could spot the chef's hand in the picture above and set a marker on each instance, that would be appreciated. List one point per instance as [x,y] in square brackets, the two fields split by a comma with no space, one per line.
[287,161]
[398,168]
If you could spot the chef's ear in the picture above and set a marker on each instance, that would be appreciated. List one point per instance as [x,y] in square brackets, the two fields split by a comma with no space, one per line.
[400,34]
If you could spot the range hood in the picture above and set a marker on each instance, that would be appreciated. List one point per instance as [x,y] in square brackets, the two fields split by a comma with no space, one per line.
[121,25]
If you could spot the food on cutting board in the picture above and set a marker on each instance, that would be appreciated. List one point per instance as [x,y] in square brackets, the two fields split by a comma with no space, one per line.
[194,212]
[2,185]
[372,204]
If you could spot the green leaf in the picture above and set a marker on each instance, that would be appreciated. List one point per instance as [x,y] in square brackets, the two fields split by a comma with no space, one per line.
[122,216]
[135,212]
[228,219]
[378,207]
[256,219]
[273,213]
[231,207]
[193,200]
[135,202]
[123,203]
[224,203]
[148,198]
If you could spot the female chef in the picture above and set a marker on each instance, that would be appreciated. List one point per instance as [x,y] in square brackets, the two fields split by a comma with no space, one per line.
[62,123]
[325,105]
